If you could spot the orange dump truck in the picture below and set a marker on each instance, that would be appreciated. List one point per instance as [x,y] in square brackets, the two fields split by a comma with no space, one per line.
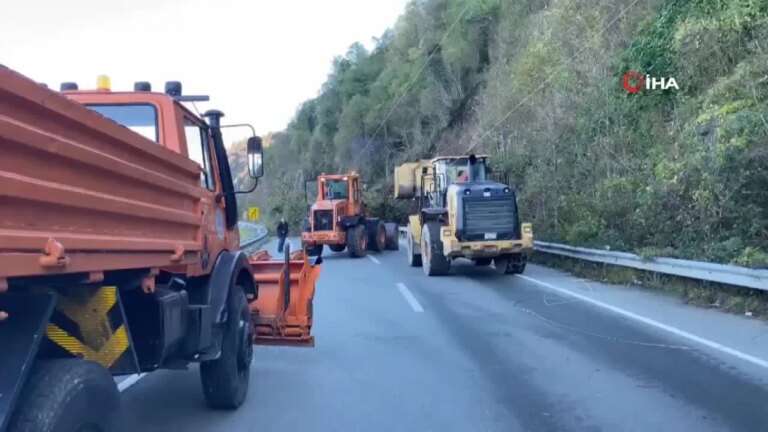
[119,254]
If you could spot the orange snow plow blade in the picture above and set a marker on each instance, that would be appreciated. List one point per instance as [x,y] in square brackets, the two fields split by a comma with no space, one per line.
[282,314]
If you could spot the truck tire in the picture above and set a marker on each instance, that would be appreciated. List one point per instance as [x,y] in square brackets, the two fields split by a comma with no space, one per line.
[377,236]
[482,262]
[316,250]
[225,380]
[414,259]
[393,236]
[357,241]
[337,248]
[434,262]
[68,395]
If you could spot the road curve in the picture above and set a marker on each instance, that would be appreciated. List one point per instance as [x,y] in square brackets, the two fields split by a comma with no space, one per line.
[478,351]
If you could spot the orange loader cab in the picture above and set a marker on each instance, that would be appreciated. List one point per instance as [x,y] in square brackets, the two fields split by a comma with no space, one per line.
[339,218]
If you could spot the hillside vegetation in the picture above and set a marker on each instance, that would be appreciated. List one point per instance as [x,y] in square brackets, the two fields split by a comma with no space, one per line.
[537,84]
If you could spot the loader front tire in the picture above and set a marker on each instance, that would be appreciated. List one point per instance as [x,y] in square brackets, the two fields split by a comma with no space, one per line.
[414,259]
[225,380]
[357,241]
[434,261]
[68,395]
[510,264]
[337,248]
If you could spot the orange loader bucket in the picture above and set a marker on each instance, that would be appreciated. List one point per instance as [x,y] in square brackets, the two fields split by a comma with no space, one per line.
[282,314]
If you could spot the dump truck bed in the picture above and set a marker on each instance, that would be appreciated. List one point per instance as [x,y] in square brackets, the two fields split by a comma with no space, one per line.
[72,179]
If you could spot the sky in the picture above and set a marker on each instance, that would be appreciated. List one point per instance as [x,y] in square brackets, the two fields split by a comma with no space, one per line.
[258,60]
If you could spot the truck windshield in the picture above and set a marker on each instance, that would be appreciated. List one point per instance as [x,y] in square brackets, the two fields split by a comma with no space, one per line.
[140,118]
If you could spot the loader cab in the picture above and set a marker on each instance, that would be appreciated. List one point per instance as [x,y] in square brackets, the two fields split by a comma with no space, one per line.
[452,170]
[342,193]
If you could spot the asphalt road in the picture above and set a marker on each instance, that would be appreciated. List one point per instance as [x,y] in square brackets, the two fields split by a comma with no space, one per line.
[478,351]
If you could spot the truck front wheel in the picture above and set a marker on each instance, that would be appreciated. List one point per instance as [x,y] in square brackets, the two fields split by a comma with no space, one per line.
[225,380]
[68,395]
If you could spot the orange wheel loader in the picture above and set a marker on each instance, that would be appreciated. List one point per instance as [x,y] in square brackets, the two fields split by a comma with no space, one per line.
[119,254]
[339,218]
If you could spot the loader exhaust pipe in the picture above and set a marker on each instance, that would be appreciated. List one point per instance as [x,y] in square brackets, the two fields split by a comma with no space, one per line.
[472,169]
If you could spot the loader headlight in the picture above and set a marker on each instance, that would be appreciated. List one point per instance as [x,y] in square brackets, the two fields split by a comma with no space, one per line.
[467,191]
[506,190]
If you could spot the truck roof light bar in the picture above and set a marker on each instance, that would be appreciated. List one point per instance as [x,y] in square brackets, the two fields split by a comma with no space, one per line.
[192,98]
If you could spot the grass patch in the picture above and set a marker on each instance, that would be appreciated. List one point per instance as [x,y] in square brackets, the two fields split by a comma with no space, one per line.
[729,298]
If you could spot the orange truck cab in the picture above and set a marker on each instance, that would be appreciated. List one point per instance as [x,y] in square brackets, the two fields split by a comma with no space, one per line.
[119,253]
[339,218]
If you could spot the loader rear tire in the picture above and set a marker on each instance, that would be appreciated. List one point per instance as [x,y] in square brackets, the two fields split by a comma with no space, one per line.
[435,263]
[337,248]
[69,395]
[393,236]
[414,259]
[377,236]
[225,380]
[357,241]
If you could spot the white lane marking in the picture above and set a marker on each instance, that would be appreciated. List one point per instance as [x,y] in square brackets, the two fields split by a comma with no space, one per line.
[409,297]
[128,382]
[374,259]
[653,323]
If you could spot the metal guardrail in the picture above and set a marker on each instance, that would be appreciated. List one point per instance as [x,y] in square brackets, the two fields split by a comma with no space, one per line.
[261,234]
[721,273]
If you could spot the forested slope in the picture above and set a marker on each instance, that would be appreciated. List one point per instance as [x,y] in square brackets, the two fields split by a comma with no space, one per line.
[537,84]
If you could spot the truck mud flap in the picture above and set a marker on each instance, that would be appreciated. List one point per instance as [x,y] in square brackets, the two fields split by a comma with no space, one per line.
[21,331]
[282,314]
[89,322]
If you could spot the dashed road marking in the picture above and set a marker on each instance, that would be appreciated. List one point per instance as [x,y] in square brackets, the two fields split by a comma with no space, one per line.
[374,259]
[129,381]
[653,323]
[408,295]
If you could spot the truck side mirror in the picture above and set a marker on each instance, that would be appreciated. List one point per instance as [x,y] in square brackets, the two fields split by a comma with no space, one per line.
[255,157]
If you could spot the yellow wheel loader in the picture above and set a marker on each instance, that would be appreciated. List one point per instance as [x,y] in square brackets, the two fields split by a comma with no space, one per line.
[459,212]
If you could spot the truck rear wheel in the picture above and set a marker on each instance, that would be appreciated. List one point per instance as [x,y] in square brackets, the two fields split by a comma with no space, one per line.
[337,248]
[67,395]
[377,236]
[414,259]
[225,380]
[434,261]
[393,237]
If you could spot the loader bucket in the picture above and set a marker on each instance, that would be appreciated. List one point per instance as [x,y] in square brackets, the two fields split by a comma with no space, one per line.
[282,313]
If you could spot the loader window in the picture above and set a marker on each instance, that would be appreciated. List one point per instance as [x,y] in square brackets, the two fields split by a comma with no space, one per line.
[198,148]
[140,118]
[336,190]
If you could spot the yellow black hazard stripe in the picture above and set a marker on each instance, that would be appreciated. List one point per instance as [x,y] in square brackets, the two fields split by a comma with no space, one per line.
[89,323]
